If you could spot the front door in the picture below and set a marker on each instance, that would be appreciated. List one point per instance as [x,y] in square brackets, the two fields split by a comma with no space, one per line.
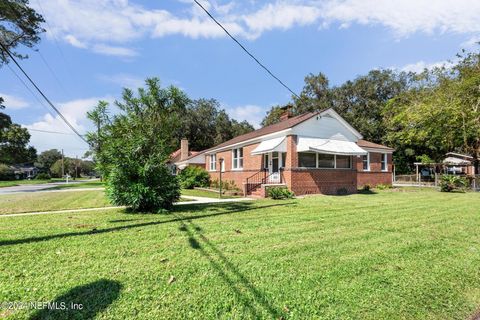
[274,167]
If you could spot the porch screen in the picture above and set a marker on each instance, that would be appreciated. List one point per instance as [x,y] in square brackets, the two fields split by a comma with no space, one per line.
[326,160]
[307,160]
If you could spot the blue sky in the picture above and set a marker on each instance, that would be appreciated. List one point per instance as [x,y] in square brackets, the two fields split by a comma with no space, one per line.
[93,48]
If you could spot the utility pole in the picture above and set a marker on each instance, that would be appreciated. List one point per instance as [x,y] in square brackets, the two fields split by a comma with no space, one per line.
[63,166]
[76,167]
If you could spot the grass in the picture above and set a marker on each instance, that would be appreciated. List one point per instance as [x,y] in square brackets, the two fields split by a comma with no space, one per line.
[48,201]
[390,255]
[204,193]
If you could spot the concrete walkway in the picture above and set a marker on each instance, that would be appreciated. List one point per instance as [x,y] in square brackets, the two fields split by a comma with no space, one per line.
[194,200]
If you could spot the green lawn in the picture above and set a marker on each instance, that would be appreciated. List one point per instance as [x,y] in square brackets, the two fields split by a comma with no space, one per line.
[391,255]
[47,201]
[204,193]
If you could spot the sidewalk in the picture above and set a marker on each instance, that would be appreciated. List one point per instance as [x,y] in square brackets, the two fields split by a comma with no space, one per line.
[195,200]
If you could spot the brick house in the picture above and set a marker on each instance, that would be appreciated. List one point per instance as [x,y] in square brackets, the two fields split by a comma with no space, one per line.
[317,152]
[183,157]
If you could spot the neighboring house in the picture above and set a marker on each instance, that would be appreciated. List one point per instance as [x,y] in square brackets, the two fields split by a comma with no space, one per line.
[24,171]
[456,163]
[183,157]
[312,153]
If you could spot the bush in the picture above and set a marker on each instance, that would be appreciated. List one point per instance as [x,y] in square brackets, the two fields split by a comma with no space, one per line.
[226,185]
[150,188]
[449,183]
[278,193]
[6,173]
[193,176]
[383,186]
[43,176]
[342,191]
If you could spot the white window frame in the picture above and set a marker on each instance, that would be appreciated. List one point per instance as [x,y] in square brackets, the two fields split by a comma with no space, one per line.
[368,163]
[334,163]
[384,160]
[213,162]
[238,158]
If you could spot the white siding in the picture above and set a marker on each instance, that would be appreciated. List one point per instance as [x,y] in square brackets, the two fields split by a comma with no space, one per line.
[325,127]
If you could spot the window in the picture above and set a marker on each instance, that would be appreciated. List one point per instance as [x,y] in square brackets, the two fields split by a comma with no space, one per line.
[366,162]
[384,162]
[344,162]
[326,160]
[284,159]
[213,162]
[237,158]
[307,160]
[265,162]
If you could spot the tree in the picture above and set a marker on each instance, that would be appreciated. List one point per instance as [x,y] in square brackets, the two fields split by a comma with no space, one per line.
[47,158]
[136,144]
[68,168]
[273,116]
[239,128]
[362,101]
[440,113]
[19,25]
[14,142]
[316,94]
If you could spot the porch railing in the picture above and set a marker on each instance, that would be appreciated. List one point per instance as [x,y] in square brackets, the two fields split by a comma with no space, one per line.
[262,177]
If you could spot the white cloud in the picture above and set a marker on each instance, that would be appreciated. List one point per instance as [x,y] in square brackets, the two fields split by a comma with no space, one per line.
[104,25]
[114,51]
[472,43]
[13,102]
[252,113]
[75,112]
[124,80]
[420,66]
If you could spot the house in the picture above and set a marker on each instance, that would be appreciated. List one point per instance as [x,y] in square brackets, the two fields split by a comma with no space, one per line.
[24,171]
[183,157]
[456,163]
[317,152]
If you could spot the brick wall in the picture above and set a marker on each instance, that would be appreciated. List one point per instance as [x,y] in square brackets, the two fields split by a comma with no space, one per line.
[251,165]
[326,181]
[375,176]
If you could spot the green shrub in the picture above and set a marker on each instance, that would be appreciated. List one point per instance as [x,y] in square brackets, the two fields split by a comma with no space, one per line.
[450,183]
[150,189]
[43,176]
[342,191]
[6,173]
[193,176]
[383,186]
[226,185]
[278,193]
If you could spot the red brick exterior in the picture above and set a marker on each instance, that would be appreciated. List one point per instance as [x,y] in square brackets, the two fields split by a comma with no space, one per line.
[305,181]
[375,176]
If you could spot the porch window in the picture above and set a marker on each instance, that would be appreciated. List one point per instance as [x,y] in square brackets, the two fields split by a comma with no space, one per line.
[343,162]
[307,160]
[366,162]
[326,160]
[284,159]
[213,162]
[265,161]
[237,158]
[384,162]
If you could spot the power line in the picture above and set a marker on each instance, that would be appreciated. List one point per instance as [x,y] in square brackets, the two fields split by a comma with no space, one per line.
[245,49]
[48,131]
[42,94]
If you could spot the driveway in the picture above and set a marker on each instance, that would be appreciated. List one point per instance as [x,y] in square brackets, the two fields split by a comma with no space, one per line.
[35,187]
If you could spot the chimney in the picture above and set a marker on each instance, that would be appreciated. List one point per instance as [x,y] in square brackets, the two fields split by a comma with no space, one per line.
[183,149]
[287,113]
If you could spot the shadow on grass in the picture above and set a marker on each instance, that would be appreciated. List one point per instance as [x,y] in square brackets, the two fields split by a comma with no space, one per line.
[367,192]
[219,210]
[252,298]
[82,302]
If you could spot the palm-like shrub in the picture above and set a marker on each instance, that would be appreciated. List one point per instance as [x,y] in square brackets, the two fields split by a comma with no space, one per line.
[449,183]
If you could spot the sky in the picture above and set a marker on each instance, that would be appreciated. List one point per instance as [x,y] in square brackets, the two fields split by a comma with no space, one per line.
[93,48]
